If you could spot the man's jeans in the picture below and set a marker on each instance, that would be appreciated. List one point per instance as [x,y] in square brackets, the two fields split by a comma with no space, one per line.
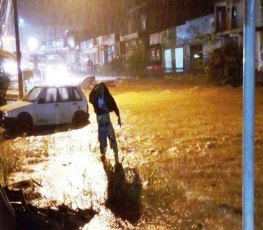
[105,130]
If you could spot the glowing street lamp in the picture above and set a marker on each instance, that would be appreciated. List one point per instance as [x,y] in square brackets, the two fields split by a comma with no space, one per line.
[32,44]
[21,22]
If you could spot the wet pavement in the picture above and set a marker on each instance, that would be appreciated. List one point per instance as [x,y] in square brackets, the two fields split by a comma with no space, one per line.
[69,172]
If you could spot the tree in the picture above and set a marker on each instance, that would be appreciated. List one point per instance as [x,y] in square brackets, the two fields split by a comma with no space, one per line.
[137,61]
[225,65]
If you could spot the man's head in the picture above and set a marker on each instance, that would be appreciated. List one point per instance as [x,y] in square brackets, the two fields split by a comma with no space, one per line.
[101,88]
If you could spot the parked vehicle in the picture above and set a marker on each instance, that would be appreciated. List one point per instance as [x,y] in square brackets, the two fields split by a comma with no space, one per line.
[46,105]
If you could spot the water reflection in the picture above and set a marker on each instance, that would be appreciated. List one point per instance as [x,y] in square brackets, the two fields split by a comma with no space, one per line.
[124,192]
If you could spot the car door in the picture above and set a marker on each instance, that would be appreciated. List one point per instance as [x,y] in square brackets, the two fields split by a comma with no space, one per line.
[64,100]
[70,103]
[47,107]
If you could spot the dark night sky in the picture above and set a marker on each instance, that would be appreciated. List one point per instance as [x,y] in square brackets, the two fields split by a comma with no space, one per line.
[104,15]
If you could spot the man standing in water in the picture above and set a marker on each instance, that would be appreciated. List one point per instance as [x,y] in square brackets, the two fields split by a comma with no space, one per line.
[103,103]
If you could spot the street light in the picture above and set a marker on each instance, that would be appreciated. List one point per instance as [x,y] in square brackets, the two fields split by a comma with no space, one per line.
[32,44]
[21,22]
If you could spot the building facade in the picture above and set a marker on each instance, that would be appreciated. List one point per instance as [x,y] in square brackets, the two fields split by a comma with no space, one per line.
[175,48]
[229,24]
[99,52]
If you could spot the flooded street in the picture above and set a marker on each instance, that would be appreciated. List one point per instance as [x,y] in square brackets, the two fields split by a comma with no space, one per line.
[183,114]
[69,173]
[180,149]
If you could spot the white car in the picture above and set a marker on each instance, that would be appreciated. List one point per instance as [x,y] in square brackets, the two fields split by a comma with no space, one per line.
[46,105]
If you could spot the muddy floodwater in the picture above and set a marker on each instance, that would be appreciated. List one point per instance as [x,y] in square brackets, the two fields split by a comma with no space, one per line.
[66,169]
[180,147]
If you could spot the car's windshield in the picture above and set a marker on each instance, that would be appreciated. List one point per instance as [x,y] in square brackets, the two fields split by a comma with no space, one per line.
[33,94]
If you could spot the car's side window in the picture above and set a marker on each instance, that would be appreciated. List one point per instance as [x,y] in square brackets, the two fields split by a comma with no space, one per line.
[77,94]
[49,96]
[64,94]
[69,94]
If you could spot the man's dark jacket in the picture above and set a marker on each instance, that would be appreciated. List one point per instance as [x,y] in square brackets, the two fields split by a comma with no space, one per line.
[109,100]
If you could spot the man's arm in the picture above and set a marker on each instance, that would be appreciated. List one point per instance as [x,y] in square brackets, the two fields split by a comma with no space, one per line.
[115,109]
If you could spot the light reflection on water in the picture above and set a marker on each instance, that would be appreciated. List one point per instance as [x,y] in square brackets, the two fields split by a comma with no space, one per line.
[72,174]
[69,180]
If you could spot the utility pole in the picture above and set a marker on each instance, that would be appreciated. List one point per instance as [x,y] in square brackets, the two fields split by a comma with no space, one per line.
[248,115]
[18,52]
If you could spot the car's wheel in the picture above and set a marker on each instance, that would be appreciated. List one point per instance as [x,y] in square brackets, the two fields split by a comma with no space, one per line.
[79,119]
[24,123]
